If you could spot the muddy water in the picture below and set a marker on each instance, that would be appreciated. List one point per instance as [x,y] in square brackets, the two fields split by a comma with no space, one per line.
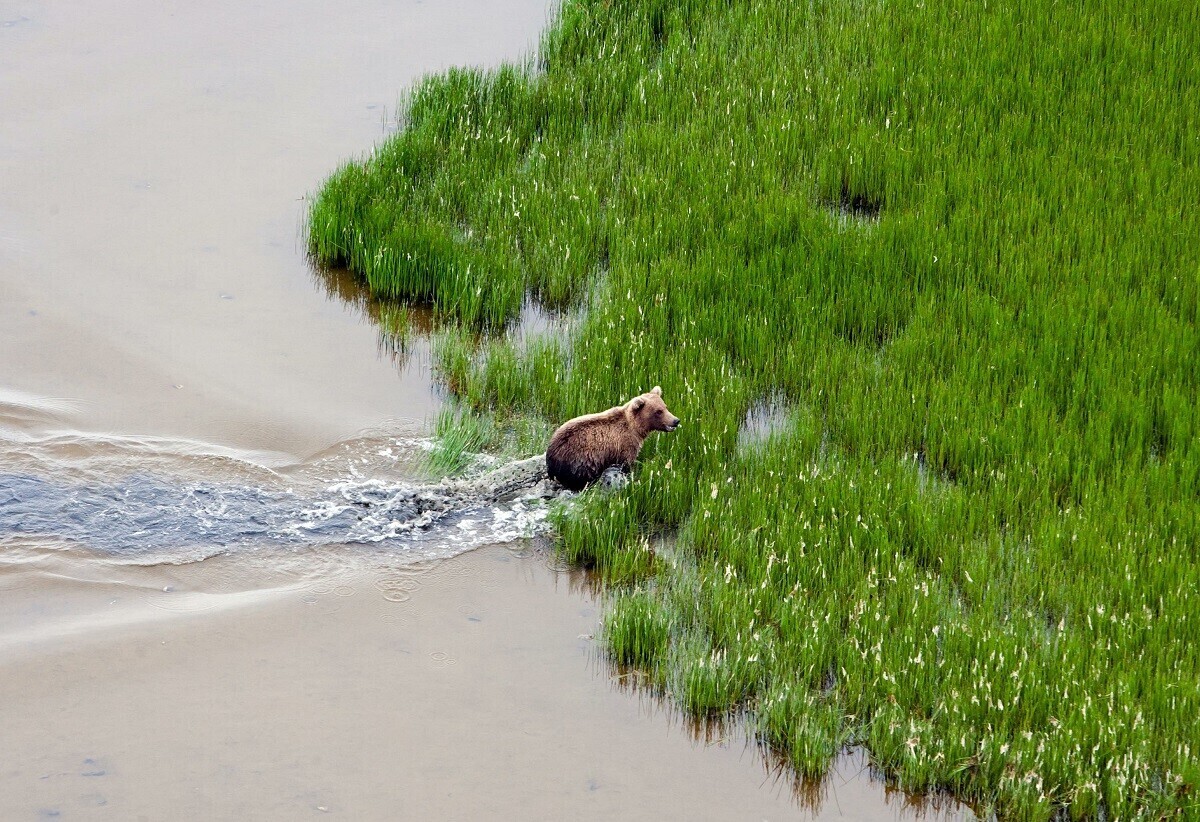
[215,599]
[461,689]
[154,158]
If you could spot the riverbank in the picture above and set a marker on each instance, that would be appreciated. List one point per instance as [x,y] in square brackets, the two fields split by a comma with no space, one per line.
[922,282]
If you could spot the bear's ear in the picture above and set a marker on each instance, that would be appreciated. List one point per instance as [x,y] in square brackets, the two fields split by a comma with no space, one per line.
[656,390]
[637,404]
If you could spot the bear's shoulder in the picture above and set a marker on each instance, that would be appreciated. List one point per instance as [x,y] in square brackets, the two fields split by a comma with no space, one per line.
[612,415]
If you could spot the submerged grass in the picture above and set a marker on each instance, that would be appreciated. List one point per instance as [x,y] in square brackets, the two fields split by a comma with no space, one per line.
[958,241]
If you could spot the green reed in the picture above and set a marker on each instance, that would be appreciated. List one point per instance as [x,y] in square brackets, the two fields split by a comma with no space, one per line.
[958,241]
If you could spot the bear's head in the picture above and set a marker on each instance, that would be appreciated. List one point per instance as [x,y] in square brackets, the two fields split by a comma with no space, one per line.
[649,413]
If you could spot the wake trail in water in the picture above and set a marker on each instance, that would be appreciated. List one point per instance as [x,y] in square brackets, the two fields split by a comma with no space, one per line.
[111,496]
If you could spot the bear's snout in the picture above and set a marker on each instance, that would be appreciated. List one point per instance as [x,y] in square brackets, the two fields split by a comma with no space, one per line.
[673,424]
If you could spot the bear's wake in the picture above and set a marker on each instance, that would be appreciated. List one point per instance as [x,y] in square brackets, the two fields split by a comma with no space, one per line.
[150,517]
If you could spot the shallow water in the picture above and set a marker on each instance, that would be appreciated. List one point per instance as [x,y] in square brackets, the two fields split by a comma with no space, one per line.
[155,159]
[336,683]
[220,596]
[155,500]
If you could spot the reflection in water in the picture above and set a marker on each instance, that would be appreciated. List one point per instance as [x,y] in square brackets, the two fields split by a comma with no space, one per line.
[849,773]
[764,419]
[404,328]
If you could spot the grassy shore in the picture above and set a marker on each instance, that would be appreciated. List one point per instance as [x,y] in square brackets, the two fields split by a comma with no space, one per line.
[956,248]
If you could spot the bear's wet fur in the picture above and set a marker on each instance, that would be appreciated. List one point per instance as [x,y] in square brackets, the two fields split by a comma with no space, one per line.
[583,448]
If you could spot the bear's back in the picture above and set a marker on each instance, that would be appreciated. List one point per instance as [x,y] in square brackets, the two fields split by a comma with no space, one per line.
[584,447]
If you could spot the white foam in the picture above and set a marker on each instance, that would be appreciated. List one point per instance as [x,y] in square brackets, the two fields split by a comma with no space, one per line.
[165,500]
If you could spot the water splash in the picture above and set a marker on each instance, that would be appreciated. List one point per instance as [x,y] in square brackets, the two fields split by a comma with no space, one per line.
[175,504]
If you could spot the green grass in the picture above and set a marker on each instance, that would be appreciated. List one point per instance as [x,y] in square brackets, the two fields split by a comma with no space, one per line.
[463,440]
[958,241]
[458,438]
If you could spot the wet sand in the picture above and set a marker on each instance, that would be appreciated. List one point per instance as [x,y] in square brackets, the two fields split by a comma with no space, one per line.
[157,314]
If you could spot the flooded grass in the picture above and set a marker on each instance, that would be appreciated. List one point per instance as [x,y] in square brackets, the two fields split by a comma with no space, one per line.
[1009,614]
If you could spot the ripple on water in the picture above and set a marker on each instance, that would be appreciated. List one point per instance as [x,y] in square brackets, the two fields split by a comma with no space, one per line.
[396,587]
[441,659]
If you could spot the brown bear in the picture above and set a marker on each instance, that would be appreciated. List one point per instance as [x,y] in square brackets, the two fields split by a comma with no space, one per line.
[583,448]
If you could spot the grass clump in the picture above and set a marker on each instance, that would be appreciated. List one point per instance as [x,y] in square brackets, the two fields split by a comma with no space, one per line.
[636,630]
[811,728]
[459,438]
[958,244]
[462,440]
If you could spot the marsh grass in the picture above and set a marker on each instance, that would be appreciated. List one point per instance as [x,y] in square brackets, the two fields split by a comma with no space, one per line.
[461,438]
[458,438]
[958,242]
